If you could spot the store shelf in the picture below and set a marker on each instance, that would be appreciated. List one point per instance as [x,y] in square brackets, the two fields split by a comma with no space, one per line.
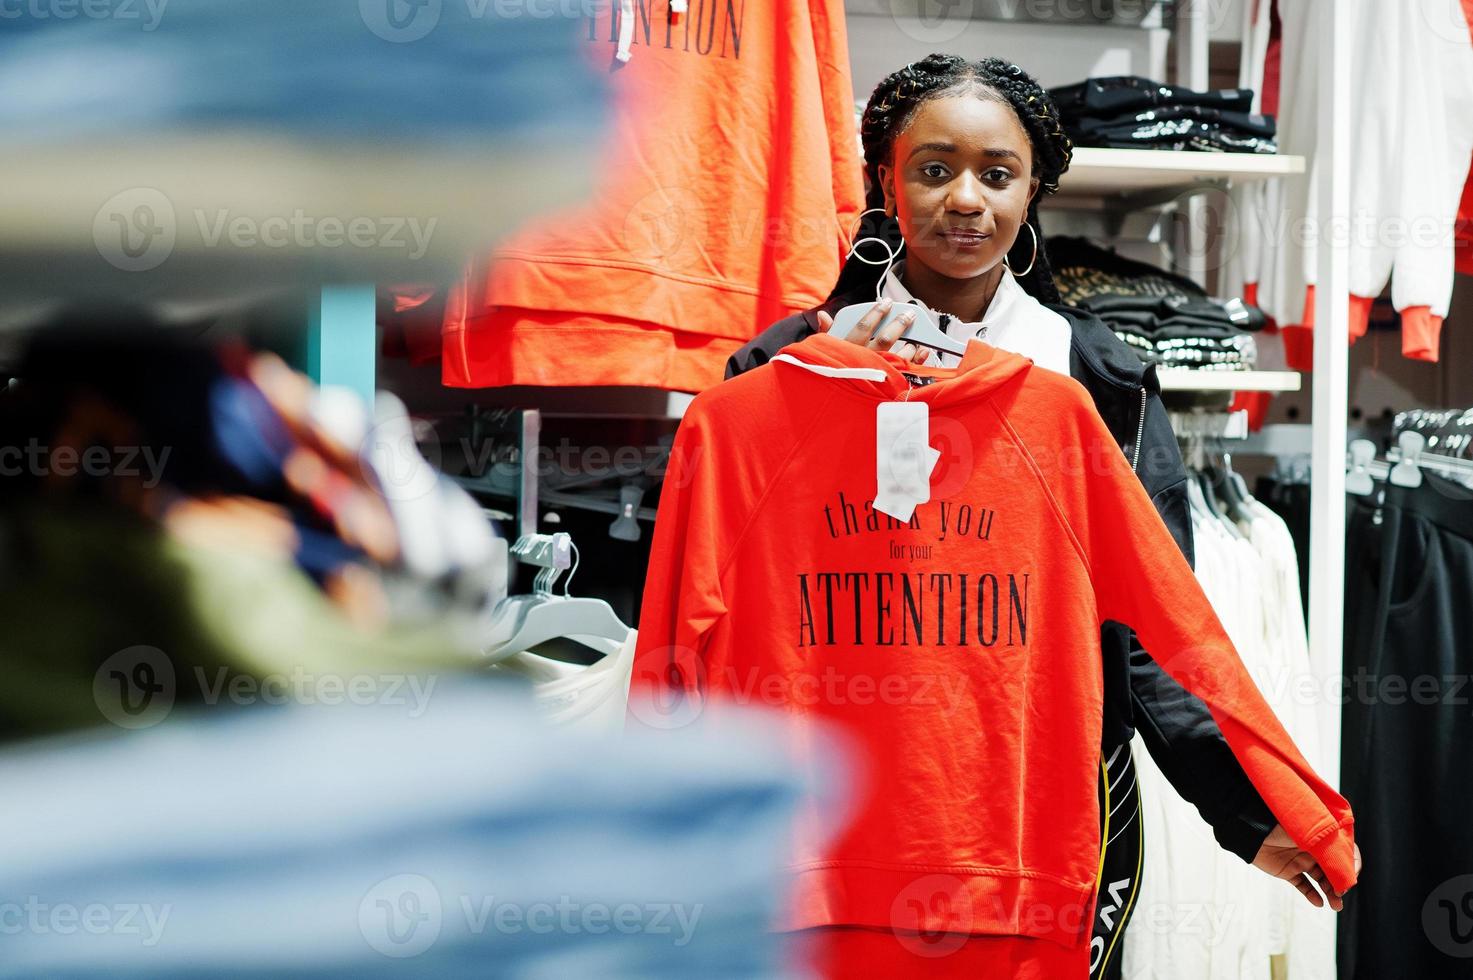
[1097,172]
[1180,379]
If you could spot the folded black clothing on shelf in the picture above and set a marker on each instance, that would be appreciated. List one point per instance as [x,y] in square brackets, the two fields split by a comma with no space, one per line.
[1233,313]
[1177,135]
[1115,94]
[1131,112]
[1195,332]
[1186,133]
[1084,271]
[1190,353]
[1246,123]
[1166,319]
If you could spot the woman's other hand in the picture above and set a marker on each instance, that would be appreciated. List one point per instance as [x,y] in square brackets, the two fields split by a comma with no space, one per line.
[1282,858]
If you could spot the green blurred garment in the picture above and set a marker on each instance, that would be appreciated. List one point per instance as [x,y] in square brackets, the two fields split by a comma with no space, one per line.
[108,619]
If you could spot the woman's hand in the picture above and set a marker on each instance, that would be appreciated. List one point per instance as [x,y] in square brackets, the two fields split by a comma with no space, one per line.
[1282,858]
[864,333]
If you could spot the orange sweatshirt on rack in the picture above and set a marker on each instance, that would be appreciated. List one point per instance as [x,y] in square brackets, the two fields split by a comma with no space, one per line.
[960,649]
[724,198]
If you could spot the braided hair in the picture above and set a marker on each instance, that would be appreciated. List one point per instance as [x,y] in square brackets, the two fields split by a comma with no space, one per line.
[893,105]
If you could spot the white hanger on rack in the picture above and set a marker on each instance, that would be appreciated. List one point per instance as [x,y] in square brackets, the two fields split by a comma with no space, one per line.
[1408,472]
[1359,480]
[522,622]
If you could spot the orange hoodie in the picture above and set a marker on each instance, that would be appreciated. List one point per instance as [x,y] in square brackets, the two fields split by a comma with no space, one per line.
[960,649]
[728,187]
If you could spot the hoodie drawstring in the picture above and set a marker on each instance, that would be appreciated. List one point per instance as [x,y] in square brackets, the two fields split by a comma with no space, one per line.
[626,26]
[858,374]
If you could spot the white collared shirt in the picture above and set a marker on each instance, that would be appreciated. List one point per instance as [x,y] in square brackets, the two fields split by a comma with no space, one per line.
[1014,322]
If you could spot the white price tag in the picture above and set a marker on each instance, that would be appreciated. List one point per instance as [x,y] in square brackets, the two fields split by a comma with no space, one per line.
[904,458]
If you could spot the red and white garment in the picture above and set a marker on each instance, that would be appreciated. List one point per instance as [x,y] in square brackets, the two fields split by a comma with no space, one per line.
[1411,148]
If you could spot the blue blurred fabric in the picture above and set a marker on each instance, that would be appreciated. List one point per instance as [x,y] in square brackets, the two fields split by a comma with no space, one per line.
[375,841]
[325,69]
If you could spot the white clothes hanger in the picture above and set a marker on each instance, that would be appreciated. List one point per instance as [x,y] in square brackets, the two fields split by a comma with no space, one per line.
[522,622]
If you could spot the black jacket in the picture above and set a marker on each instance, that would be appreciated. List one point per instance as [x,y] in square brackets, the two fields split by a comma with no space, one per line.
[1176,726]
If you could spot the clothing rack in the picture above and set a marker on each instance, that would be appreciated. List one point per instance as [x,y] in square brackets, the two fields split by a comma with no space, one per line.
[1209,425]
[1403,465]
[515,475]
[1194,428]
[1450,431]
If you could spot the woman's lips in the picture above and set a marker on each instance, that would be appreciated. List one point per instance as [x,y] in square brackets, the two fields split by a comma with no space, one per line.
[965,239]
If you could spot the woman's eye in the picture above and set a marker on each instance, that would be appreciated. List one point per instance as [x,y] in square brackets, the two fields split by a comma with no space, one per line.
[998,174]
[934,170]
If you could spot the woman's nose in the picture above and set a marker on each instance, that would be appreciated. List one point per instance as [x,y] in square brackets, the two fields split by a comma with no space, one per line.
[965,194]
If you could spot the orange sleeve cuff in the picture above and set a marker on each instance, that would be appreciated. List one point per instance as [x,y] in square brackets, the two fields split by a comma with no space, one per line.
[1360,316]
[1420,332]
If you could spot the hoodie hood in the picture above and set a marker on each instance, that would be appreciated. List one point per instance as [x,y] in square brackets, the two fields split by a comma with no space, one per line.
[884,377]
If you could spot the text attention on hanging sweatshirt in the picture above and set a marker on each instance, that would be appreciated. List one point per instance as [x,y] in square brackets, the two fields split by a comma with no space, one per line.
[958,650]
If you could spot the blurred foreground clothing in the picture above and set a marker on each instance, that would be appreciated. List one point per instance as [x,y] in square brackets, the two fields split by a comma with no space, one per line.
[177,517]
[466,840]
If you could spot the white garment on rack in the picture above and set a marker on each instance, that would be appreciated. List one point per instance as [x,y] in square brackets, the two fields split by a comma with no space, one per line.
[1412,87]
[1203,914]
[1014,321]
[586,698]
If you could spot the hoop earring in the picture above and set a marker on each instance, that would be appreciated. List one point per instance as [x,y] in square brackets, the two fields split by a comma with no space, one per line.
[859,220]
[891,253]
[1031,261]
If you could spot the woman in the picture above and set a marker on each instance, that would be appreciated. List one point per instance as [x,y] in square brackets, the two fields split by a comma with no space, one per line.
[956,153]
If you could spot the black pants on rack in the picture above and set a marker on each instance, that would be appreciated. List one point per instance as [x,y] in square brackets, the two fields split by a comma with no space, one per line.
[1120,879]
[1407,746]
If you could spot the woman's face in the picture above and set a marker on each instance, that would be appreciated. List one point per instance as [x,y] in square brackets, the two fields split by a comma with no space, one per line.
[959,181]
